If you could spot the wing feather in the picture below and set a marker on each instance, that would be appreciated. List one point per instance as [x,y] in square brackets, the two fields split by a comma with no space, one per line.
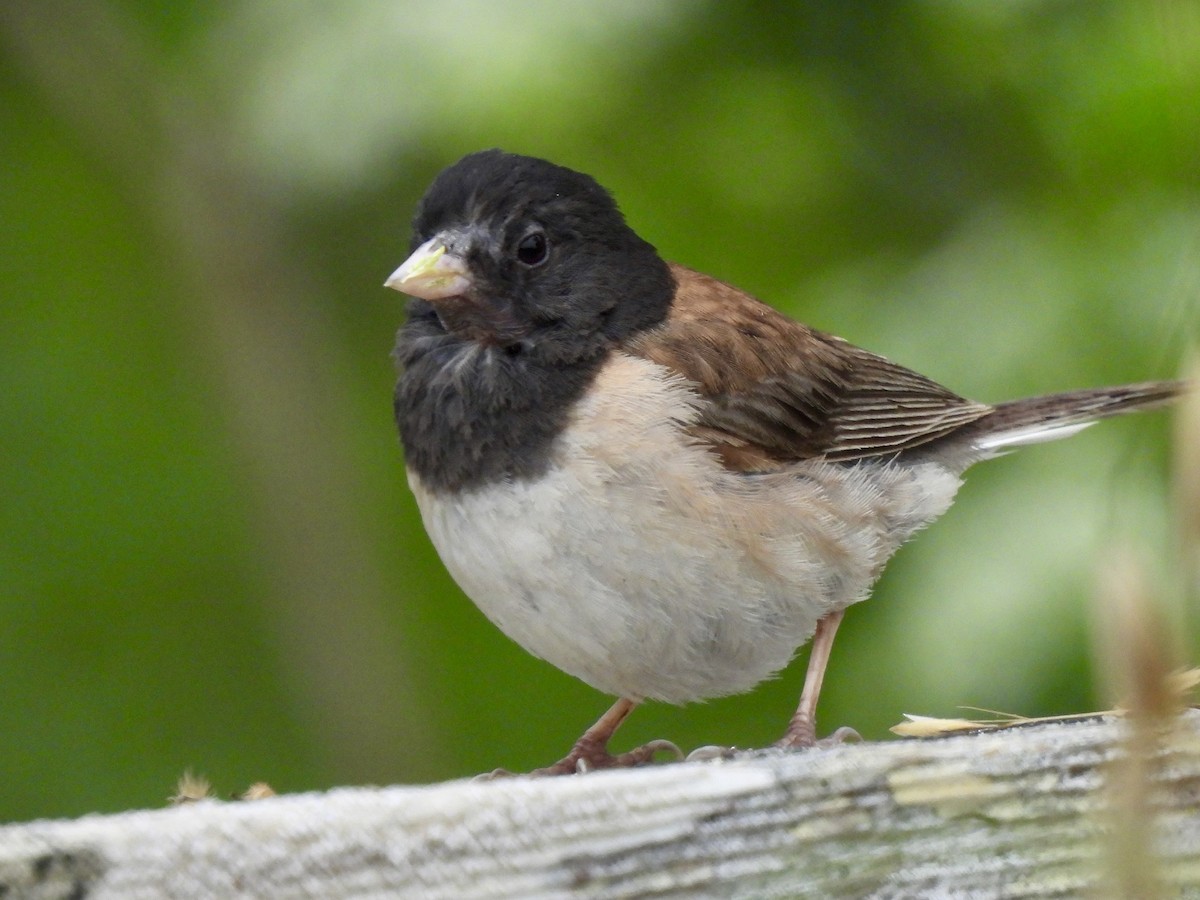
[776,392]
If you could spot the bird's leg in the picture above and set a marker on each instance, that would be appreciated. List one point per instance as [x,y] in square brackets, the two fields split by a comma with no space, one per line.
[802,729]
[591,750]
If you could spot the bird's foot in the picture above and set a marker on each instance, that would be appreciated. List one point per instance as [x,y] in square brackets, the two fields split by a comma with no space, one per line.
[802,734]
[711,752]
[588,755]
[591,751]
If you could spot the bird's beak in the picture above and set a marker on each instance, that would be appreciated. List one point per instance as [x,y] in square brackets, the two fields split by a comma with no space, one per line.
[431,273]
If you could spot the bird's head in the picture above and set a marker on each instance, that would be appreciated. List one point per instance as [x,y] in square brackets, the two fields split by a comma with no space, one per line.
[521,254]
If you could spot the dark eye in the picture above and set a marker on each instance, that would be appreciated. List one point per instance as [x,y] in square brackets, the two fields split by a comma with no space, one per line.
[533,249]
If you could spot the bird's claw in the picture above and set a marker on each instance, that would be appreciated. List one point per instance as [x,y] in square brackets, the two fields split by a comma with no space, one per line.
[802,736]
[711,752]
[494,775]
[843,735]
[586,757]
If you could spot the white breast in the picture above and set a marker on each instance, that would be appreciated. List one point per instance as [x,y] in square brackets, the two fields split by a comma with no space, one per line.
[642,567]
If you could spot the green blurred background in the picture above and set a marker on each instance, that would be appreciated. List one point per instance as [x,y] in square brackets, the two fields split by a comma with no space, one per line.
[209,558]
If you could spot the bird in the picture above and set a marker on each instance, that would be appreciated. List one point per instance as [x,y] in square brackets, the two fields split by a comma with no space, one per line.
[646,476]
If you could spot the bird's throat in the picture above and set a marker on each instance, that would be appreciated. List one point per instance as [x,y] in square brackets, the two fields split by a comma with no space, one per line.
[473,412]
[479,321]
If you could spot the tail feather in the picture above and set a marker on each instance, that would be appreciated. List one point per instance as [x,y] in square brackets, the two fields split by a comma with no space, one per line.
[1048,418]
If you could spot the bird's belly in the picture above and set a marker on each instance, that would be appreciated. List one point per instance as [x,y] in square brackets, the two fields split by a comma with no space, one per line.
[635,602]
[639,565]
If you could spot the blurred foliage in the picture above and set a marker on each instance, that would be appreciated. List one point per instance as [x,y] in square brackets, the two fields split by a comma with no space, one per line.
[209,557]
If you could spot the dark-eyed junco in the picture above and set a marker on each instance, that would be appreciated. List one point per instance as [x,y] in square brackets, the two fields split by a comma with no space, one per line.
[646,476]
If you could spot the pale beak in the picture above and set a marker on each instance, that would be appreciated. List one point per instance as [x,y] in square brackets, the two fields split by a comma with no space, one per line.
[431,273]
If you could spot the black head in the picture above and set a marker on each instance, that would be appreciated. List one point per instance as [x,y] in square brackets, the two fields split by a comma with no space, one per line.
[526,276]
[544,261]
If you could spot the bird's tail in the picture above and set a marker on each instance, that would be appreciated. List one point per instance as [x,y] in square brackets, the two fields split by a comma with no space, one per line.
[1048,418]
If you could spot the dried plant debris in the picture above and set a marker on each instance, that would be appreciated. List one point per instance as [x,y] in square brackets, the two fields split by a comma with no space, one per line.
[193,788]
[1180,684]
[1186,471]
[190,789]
[260,790]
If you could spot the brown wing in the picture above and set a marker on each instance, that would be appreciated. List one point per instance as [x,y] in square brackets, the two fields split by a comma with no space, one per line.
[778,391]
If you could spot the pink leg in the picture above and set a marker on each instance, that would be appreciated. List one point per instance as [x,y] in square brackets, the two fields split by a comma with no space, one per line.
[802,729]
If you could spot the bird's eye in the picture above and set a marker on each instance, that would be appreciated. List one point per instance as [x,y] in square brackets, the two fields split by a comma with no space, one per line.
[533,249]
